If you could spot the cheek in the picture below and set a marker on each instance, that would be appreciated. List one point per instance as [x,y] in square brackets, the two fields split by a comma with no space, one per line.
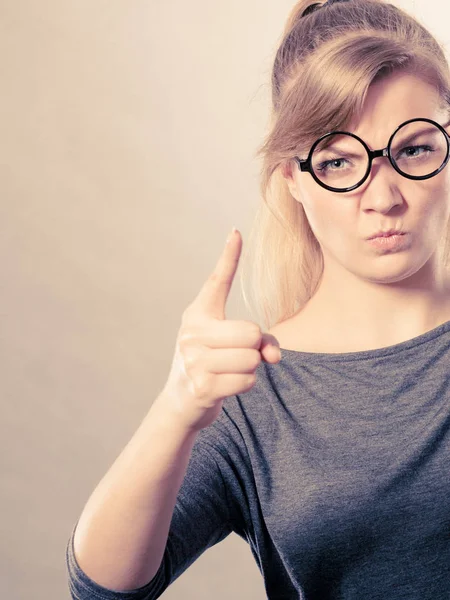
[435,200]
[329,223]
[313,203]
[439,186]
[445,192]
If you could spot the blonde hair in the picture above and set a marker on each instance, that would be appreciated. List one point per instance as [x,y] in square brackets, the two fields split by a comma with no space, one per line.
[322,70]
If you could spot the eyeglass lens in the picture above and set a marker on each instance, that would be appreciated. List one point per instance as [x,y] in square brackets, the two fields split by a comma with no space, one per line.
[341,161]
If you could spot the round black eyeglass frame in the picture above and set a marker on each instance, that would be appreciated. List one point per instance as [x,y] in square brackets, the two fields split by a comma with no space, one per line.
[305,165]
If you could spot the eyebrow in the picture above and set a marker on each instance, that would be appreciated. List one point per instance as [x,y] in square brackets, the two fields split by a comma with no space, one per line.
[413,136]
[334,147]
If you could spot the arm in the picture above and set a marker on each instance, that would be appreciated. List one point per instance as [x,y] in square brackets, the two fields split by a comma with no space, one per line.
[139,530]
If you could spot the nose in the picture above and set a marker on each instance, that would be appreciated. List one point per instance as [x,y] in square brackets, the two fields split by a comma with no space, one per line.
[381,190]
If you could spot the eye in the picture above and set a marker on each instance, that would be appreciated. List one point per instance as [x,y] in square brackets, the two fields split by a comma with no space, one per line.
[323,166]
[427,148]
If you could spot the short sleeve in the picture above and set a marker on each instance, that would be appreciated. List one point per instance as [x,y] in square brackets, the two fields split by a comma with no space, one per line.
[202,517]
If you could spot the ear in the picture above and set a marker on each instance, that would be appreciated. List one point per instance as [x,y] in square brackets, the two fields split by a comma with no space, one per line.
[287,170]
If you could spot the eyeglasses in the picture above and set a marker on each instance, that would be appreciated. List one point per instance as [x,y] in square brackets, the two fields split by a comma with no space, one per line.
[340,161]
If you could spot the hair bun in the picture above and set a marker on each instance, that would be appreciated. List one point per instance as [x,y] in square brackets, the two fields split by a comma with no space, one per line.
[313,7]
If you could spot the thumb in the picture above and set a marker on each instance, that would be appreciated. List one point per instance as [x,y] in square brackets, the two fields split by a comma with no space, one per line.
[270,348]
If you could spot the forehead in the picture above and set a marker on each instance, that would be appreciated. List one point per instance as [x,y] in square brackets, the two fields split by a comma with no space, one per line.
[392,101]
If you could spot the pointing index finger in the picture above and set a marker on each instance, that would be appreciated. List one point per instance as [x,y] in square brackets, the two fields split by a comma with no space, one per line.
[213,295]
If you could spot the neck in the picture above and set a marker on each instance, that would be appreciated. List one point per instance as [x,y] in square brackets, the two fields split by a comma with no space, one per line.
[379,314]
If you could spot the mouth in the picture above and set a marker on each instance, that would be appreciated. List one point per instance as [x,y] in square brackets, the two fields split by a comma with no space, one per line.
[396,241]
[386,234]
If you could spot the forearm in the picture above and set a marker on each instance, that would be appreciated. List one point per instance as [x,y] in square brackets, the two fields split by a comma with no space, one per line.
[122,532]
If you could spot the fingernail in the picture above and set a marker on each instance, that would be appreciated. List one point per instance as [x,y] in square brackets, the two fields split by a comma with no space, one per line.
[233,231]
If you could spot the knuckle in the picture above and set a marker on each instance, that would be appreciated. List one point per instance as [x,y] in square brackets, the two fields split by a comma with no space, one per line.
[185,338]
[251,380]
[190,360]
[219,278]
[255,333]
[186,317]
[190,313]
[256,358]
[215,277]
[201,385]
[186,312]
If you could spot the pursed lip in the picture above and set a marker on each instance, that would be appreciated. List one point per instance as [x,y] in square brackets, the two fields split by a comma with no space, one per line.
[386,233]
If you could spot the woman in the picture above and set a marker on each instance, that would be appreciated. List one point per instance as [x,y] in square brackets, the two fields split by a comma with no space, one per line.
[332,463]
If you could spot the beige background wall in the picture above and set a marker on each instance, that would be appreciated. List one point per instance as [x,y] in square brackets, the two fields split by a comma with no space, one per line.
[128,130]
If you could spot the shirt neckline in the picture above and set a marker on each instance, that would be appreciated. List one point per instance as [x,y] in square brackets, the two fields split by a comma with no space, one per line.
[366,354]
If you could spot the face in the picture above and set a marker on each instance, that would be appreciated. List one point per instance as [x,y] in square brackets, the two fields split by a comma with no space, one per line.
[341,222]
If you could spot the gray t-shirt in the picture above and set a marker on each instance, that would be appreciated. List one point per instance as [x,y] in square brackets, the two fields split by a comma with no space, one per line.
[334,468]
